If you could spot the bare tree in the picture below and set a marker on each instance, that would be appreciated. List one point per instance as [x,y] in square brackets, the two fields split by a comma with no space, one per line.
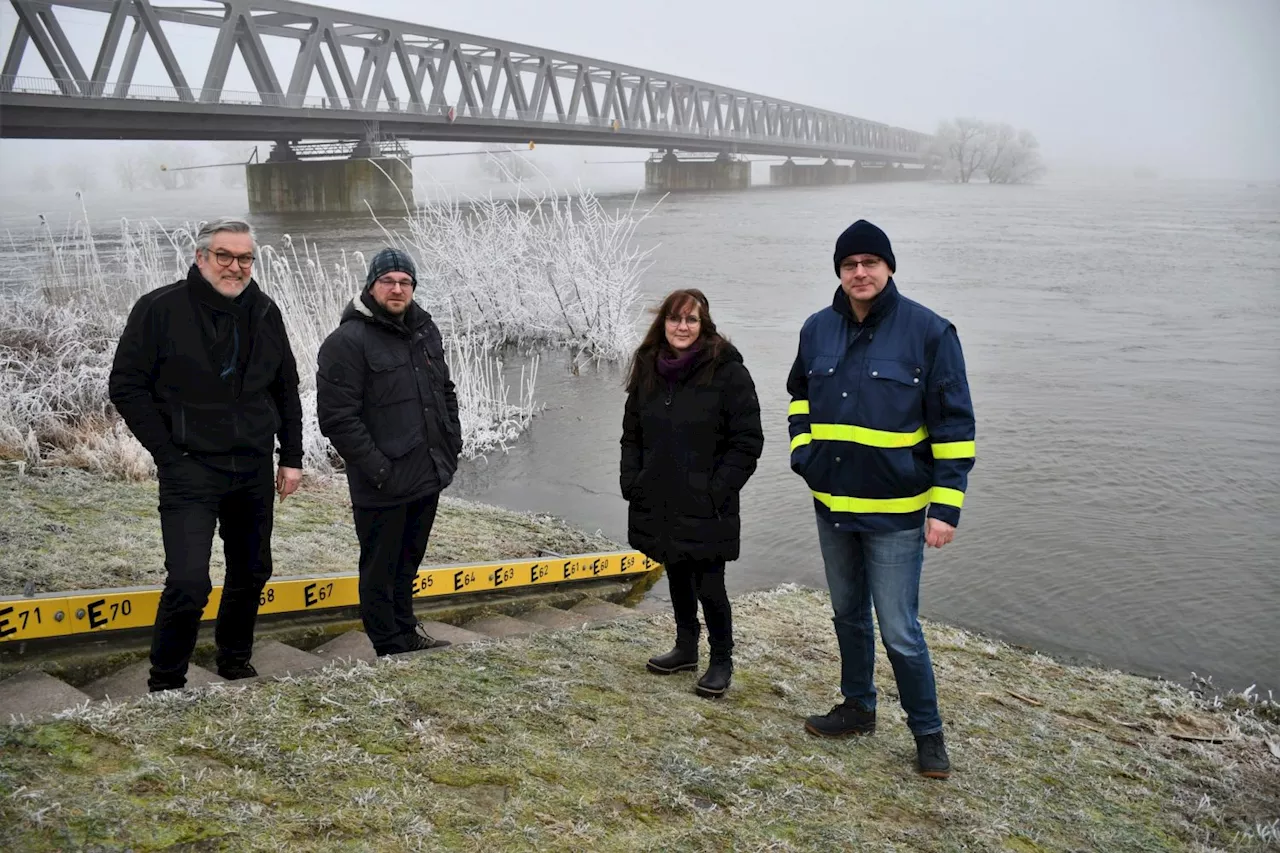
[129,172]
[232,152]
[1019,161]
[80,174]
[970,147]
[505,165]
[963,144]
[164,162]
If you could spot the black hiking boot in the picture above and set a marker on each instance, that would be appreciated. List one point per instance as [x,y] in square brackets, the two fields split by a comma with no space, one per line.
[931,756]
[847,718]
[715,681]
[236,670]
[682,658]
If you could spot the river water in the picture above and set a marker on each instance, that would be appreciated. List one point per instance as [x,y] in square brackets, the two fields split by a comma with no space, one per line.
[1123,347]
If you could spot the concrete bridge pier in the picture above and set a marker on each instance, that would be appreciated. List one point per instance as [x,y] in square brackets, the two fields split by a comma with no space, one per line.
[827,173]
[337,177]
[882,172]
[669,173]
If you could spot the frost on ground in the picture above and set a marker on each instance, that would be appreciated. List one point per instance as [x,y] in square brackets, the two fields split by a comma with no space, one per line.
[501,277]
[564,742]
[63,529]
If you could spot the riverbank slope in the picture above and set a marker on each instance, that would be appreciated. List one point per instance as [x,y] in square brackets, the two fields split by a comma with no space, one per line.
[67,529]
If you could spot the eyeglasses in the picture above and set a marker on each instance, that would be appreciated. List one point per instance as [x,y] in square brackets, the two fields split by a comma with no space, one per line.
[689,321]
[393,283]
[224,259]
[869,264]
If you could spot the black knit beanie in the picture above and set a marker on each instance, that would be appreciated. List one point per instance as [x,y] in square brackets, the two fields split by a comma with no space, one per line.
[863,238]
[390,260]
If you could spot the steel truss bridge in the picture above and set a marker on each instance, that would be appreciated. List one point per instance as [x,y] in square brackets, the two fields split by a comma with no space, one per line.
[321,73]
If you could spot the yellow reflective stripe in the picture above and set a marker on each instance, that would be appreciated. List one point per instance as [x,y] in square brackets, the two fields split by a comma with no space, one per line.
[869,437]
[954,450]
[938,495]
[840,503]
[800,441]
[948,497]
[798,407]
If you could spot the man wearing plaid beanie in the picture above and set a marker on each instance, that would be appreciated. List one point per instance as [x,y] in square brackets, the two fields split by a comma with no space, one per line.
[385,400]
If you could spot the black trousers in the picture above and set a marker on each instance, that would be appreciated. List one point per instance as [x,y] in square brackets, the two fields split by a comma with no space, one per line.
[393,541]
[193,499]
[694,581]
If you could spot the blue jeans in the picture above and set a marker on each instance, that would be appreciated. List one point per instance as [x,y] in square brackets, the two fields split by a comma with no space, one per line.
[883,568]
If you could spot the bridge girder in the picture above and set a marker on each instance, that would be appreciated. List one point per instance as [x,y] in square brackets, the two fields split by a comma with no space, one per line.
[417,81]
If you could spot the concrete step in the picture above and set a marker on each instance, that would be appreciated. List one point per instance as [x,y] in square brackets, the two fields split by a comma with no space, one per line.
[35,694]
[603,612]
[351,646]
[452,633]
[132,681]
[272,658]
[554,618]
[650,606]
[504,627]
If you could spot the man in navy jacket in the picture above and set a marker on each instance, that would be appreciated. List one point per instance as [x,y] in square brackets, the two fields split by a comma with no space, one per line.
[882,431]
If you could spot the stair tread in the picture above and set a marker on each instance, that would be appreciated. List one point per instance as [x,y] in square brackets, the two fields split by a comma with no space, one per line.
[132,681]
[504,626]
[34,693]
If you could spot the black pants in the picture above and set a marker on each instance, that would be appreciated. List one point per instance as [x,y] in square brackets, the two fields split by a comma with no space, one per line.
[393,541]
[695,581]
[193,499]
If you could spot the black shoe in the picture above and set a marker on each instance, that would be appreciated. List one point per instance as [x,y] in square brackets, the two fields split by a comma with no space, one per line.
[420,641]
[931,756]
[158,687]
[848,718]
[236,671]
[680,659]
[715,681]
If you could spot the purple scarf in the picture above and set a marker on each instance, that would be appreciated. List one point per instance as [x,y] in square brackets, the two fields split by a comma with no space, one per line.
[675,368]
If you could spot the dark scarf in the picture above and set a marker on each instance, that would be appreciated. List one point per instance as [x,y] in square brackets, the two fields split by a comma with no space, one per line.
[224,324]
[676,368]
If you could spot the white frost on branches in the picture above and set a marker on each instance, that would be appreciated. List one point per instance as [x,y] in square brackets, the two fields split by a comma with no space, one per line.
[502,279]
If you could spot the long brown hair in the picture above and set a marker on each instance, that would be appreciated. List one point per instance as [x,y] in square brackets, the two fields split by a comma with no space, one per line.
[644,364]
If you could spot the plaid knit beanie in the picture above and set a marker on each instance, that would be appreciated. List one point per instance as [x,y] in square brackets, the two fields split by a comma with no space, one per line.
[390,260]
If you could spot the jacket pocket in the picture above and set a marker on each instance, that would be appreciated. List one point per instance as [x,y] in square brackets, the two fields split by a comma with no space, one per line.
[390,377]
[821,367]
[893,395]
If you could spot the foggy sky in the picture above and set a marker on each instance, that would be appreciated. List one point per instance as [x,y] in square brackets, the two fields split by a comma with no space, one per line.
[1189,87]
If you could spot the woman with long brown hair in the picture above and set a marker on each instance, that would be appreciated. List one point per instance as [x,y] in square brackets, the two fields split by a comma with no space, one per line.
[690,440]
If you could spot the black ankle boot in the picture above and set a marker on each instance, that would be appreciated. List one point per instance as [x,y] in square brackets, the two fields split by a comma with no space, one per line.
[715,681]
[682,658]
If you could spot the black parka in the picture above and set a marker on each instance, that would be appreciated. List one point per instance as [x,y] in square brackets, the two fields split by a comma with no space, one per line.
[385,400]
[199,374]
[688,448]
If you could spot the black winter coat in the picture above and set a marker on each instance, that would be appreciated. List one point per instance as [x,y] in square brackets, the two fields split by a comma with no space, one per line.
[687,450]
[197,373]
[385,400]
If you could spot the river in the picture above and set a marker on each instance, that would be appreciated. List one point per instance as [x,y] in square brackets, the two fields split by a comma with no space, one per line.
[1123,348]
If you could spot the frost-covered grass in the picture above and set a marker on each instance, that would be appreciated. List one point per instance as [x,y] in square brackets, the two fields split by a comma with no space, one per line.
[501,277]
[64,529]
[534,271]
[564,742]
